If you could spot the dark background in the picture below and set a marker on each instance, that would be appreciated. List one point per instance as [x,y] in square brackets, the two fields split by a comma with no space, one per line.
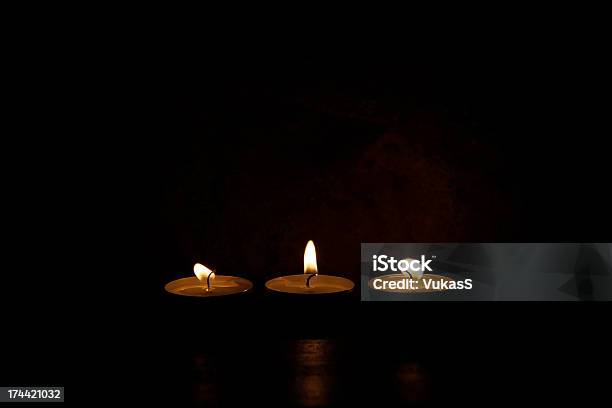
[237,162]
[254,162]
[460,149]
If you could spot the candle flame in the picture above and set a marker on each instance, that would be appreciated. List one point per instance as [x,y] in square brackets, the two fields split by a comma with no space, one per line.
[202,272]
[310,258]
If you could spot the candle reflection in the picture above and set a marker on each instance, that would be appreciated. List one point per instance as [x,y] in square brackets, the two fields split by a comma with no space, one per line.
[413,382]
[314,364]
[205,390]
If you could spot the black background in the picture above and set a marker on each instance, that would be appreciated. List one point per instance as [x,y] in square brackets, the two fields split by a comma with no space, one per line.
[237,159]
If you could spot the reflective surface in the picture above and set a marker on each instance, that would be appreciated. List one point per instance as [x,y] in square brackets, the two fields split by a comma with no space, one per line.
[314,370]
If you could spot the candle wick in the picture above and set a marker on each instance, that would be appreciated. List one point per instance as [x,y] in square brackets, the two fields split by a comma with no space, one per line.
[208,281]
[312,275]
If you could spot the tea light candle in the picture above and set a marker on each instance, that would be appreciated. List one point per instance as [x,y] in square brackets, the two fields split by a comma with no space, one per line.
[311,282]
[208,284]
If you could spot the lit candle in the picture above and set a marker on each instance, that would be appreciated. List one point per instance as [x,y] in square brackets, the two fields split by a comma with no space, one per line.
[311,281]
[207,283]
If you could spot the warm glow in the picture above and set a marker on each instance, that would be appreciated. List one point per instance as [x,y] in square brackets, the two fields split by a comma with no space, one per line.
[202,272]
[310,258]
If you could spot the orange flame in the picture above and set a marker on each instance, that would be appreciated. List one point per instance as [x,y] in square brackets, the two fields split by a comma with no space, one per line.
[310,258]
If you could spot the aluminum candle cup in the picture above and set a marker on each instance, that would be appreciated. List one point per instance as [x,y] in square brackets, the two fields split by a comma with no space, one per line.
[310,282]
[207,284]
[320,284]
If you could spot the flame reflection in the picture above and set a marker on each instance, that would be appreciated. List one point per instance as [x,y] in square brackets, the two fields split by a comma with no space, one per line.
[313,372]
[413,382]
[205,387]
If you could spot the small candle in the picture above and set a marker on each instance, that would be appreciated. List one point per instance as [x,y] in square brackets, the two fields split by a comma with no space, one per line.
[311,281]
[207,283]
